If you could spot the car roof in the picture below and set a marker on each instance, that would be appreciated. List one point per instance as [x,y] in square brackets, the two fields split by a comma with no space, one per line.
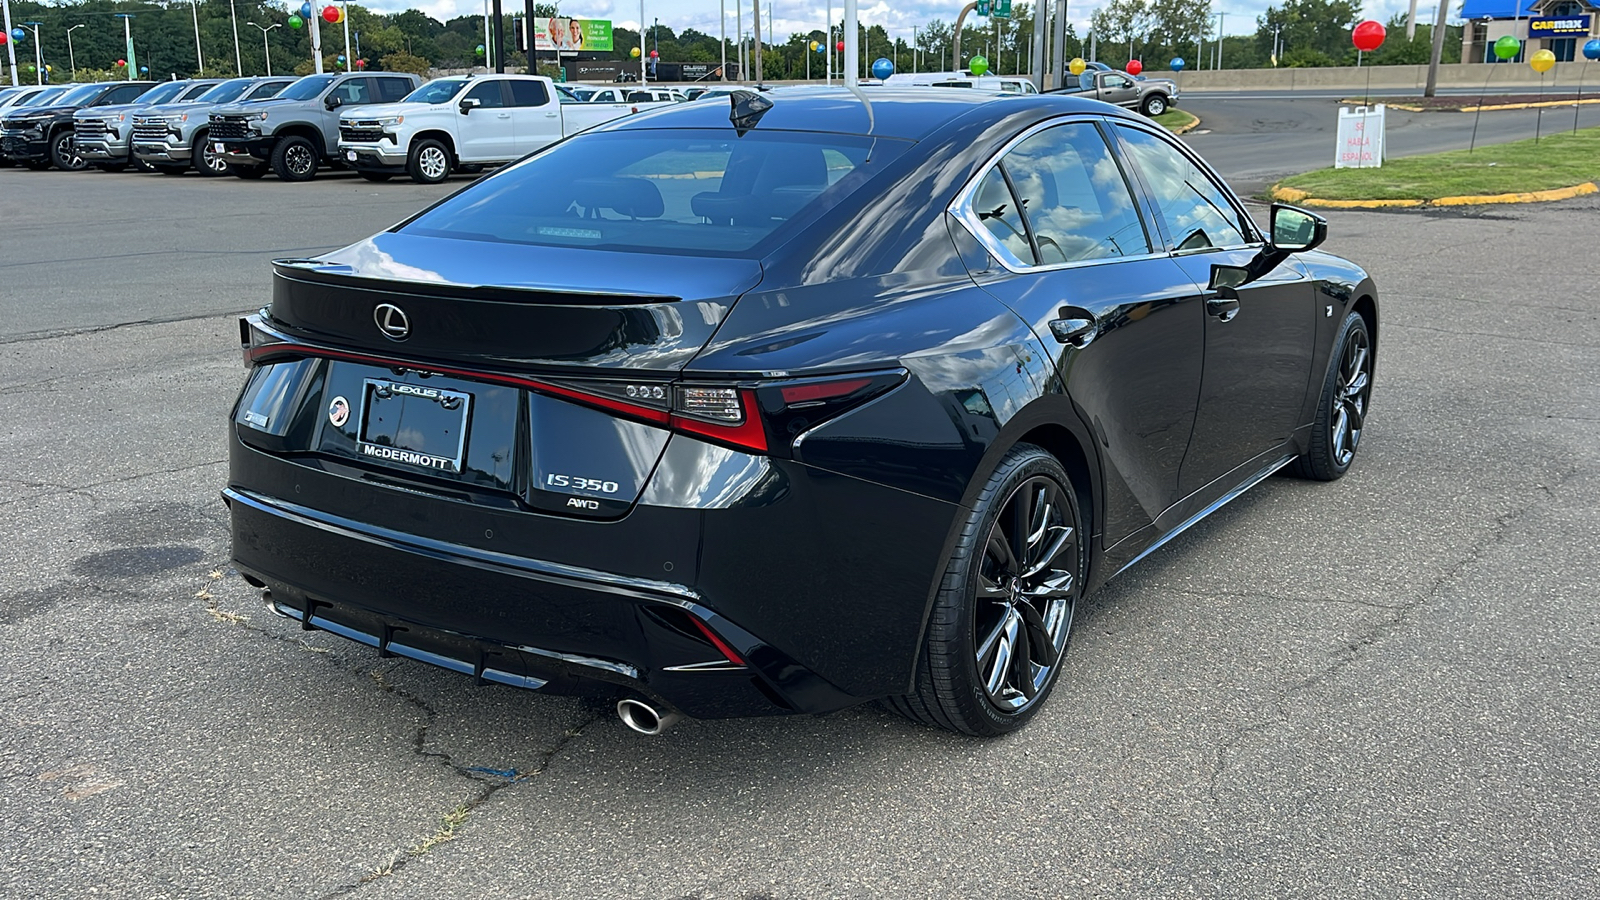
[907,113]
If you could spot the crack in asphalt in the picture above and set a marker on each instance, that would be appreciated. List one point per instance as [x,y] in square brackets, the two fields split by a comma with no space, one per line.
[491,785]
[27,337]
[1286,598]
[1543,341]
[84,489]
[1355,648]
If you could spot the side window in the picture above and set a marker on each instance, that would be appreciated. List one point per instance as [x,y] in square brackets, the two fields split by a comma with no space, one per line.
[392,90]
[125,94]
[607,96]
[487,93]
[1075,197]
[998,211]
[528,93]
[1197,211]
[266,89]
[353,91]
[1117,81]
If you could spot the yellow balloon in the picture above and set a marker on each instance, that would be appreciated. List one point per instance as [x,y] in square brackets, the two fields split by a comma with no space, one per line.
[1543,61]
[1077,66]
[635,52]
[813,46]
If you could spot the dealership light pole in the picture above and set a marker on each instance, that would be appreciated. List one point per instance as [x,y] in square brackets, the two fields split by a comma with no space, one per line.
[722,6]
[238,58]
[11,46]
[264,47]
[72,58]
[199,58]
[127,37]
[38,58]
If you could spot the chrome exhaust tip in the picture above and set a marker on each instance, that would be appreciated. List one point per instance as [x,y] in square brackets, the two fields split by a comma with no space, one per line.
[644,718]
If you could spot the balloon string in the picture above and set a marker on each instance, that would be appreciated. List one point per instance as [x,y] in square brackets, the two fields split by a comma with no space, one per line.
[1478,114]
[1578,106]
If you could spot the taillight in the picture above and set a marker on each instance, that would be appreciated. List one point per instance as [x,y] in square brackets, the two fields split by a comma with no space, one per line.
[792,408]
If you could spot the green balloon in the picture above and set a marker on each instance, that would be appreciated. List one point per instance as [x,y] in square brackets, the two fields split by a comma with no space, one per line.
[978,65]
[1507,47]
[296,22]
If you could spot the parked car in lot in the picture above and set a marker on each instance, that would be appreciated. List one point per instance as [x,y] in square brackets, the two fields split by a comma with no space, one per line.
[996,84]
[14,97]
[298,130]
[100,134]
[636,95]
[39,136]
[1151,96]
[464,120]
[172,137]
[651,415]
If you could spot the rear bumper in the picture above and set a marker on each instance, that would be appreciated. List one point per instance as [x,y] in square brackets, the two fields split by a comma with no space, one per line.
[820,614]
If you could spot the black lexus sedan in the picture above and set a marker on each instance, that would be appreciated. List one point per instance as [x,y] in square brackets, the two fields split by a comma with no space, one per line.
[787,403]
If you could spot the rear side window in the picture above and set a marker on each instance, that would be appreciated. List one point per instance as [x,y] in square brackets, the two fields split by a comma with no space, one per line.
[392,90]
[672,191]
[528,93]
[353,91]
[1075,197]
[999,212]
[488,94]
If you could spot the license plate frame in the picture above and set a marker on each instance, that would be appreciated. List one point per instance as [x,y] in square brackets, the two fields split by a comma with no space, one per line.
[379,436]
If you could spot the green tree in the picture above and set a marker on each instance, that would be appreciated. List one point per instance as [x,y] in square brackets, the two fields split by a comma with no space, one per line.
[1311,31]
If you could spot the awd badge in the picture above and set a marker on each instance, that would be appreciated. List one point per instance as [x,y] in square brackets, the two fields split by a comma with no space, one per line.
[339,411]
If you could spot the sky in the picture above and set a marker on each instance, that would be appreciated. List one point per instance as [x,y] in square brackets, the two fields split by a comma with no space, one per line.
[790,16]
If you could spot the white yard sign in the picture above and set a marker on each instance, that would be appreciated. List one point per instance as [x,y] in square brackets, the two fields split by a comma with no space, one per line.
[1360,138]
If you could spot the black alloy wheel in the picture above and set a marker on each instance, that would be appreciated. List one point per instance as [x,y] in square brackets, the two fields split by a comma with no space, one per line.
[64,153]
[295,159]
[1342,408]
[1155,105]
[1003,615]
[207,161]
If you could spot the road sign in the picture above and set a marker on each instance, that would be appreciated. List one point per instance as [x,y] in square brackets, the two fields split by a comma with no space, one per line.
[1002,9]
[983,7]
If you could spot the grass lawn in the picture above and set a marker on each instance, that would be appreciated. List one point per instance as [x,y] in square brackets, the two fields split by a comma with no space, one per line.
[1559,160]
[1174,119]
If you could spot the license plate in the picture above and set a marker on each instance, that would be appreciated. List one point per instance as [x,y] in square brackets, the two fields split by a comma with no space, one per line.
[414,426]
[218,148]
[350,155]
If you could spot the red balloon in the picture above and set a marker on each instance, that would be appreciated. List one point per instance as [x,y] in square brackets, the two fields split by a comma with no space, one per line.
[841,46]
[330,15]
[654,55]
[1135,67]
[1368,36]
[122,62]
[3,39]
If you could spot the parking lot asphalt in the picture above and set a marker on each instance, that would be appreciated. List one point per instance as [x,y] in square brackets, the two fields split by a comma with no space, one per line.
[1382,687]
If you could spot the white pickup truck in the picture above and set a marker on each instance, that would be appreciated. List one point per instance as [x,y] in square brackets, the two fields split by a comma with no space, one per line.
[466,122]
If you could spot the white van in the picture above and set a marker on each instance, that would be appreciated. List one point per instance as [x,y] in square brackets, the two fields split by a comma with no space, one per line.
[995,84]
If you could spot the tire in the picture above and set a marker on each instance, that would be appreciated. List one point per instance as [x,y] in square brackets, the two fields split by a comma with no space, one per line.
[250,173]
[62,154]
[999,631]
[205,160]
[1154,105]
[429,162]
[295,158]
[378,177]
[1342,407]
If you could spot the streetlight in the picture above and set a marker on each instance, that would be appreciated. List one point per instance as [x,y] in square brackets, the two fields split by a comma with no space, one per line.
[264,45]
[38,60]
[71,58]
[238,60]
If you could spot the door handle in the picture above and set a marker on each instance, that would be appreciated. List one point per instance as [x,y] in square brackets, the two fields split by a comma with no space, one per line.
[549,115]
[1224,308]
[1079,333]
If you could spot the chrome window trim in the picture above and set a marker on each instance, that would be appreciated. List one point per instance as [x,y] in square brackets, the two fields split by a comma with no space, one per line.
[962,209]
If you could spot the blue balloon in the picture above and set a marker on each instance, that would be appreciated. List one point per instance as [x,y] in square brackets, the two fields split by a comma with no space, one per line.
[1178,64]
[144,70]
[18,34]
[1591,50]
[882,68]
[305,10]
[341,58]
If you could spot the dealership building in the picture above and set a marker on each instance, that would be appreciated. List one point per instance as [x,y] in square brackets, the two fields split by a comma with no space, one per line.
[1560,26]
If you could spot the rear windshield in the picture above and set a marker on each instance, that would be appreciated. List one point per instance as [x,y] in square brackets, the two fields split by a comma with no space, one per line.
[669,191]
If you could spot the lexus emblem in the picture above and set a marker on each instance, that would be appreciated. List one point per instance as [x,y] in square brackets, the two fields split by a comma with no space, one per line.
[392,321]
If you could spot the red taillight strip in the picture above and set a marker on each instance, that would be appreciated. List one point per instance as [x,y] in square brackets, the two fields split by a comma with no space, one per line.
[748,435]
[717,641]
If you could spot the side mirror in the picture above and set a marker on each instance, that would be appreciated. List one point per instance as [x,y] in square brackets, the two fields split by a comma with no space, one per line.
[1295,230]
[470,104]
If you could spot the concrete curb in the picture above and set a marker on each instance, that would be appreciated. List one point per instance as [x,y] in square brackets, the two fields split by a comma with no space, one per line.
[1488,107]
[1187,127]
[1292,195]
